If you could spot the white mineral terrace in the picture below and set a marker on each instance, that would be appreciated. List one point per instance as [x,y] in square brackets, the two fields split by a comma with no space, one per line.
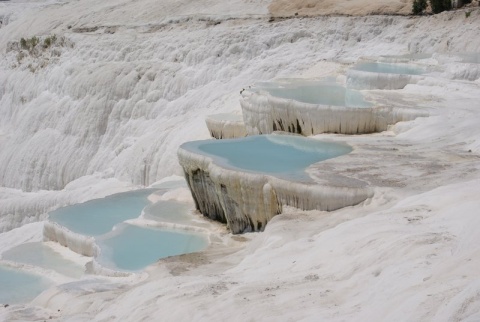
[246,200]
[265,113]
[226,126]
[116,231]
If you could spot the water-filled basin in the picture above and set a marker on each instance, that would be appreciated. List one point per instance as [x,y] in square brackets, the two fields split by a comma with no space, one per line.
[99,216]
[284,156]
[121,244]
[384,68]
[132,248]
[39,254]
[17,286]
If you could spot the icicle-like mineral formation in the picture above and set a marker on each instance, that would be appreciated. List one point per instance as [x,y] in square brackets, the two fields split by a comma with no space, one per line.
[246,201]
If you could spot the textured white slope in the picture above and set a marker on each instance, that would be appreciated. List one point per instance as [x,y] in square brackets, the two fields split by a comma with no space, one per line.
[117,100]
[120,105]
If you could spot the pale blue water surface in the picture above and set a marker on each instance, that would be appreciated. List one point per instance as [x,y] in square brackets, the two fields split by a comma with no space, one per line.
[284,156]
[134,248]
[18,287]
[97,217]
[384,68]
[39,254]
[124,246]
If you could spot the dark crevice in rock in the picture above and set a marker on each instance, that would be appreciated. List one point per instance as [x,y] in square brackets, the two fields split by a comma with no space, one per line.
[206,199]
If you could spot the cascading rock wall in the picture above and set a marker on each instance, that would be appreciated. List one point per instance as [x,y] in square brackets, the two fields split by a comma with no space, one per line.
[247,201]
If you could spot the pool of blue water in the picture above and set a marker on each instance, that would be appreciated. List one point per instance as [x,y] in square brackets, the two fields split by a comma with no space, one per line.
[321,92]
[389,68]
[284,156]
[99,216]
[39,254]
[18,287]
[122,246]
[132,248]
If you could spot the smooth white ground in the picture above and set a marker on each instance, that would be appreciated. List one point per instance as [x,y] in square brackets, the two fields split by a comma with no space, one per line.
[110,113]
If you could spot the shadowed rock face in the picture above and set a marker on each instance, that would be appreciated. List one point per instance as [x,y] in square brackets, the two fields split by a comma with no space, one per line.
[219,202]
[203,192]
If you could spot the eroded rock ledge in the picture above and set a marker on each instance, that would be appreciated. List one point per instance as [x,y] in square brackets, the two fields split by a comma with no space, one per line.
[247,201]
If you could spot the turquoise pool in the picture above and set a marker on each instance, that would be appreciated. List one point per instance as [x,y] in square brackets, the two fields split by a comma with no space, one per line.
[39,254]
[132,248]
[18,287]
[384,68]
[99,216]
[284,156]
[122,246]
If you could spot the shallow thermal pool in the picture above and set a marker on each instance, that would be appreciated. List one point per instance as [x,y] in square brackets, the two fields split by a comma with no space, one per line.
[315,92]
[132,248]
[99,216]
[17,286]
[384,68]
[284,156]
[122,246]
[39,254]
